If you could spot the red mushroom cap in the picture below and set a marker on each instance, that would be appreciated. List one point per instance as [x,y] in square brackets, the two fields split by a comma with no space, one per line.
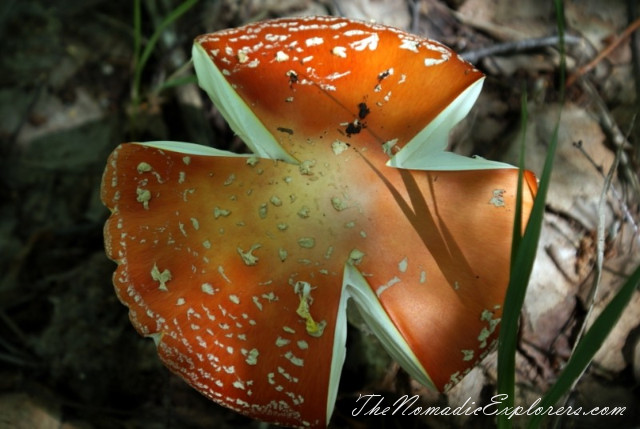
[240,267]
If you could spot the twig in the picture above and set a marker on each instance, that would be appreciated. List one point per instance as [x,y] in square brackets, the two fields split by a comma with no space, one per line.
[518,46]
[611,128]
[600,244]
[623,206]
[604,53]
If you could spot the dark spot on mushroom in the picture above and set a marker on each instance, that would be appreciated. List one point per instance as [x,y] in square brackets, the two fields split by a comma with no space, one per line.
[285,130]
[363,110]
[293,77]
[354,127]
[383,75]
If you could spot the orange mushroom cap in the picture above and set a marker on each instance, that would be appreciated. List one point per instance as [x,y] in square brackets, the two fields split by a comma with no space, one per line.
[239,267]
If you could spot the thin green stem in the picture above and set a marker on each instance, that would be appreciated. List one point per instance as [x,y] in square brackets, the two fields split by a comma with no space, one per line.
[141,61]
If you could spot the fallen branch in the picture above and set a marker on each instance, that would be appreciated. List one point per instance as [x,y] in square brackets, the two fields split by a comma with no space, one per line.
[604,53]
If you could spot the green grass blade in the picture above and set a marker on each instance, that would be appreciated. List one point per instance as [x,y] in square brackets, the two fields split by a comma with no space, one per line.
[178,81]
[153,40]
[137,37]
[522,265]
[523,257]
[517,223]
[589,345]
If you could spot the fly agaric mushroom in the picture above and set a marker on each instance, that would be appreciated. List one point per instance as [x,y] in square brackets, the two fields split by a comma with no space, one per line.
[240,266]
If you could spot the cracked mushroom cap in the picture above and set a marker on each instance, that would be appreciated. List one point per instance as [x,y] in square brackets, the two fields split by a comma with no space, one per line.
[240,267]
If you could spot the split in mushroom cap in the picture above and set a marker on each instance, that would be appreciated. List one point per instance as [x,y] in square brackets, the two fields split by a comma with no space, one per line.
[239,267]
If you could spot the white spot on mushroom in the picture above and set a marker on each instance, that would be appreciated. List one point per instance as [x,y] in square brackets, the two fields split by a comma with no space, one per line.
[387,285]
[281,342]
[217,212]
[144,167]
[338,204]
[234,298]
[339,51]
[281,56]
[181,228]
[388,146]
[294,359]
[161,277]
[276,37]
[206,244]
[247,257]
[336,75]
[186,193]
[338,25]
[262,211]
[314,41]
[410,45]
[242,57]
[467,355]
[313,328]
[195,223]
[271,297]
[370,43]
[229,180]
[221,272]
[186,160]
[305,166]
[498,198]
[338,147]
[482,337]
[288,330]
[306,242]
[423,276]
[304,212]
[275,201]
[428,62]
[355,257]
[207,288]
[282,254]
[143,197]
[303,345]
[252,357]
[402,265]
[327,87]
[256,301]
